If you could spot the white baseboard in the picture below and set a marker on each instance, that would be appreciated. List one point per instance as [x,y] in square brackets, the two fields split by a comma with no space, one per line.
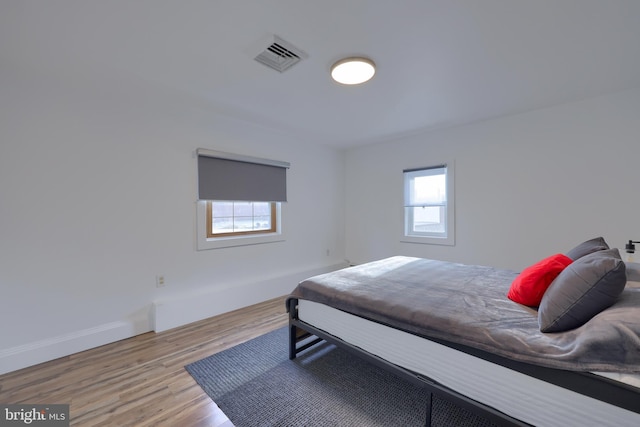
[179,311]
[30,354]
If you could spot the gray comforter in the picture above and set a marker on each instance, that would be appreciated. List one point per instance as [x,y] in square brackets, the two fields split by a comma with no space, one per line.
[467,304]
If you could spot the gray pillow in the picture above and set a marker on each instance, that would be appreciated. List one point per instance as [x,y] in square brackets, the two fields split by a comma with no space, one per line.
[588,247]
[582,290]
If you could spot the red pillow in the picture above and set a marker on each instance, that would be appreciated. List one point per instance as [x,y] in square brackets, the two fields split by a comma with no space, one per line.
[531,284]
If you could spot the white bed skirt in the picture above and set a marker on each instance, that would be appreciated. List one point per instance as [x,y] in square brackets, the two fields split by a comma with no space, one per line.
[520,396]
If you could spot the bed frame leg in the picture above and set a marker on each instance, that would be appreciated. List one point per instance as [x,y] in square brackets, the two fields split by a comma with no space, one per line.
[427,421]
[293,331]
[292,309]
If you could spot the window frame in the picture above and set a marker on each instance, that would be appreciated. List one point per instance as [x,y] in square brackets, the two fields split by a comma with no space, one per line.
[212,235]
[448,237]
[205,243]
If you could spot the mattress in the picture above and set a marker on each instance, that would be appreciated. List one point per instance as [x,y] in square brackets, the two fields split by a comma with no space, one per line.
[518,395]
[419,295]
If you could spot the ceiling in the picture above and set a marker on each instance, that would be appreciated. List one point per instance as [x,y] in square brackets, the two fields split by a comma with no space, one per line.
[441,63]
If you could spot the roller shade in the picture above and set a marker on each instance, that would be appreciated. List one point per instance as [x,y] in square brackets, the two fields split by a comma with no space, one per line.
[227,176]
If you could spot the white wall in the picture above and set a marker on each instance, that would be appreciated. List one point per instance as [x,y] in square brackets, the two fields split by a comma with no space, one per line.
[527,185]
[97,197]
[98,185]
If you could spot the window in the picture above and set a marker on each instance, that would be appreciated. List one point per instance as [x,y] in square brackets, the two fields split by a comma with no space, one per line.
[428,205]
[226,218]
[240,199]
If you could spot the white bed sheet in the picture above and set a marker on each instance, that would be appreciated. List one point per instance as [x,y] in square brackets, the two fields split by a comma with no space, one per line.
[520,396]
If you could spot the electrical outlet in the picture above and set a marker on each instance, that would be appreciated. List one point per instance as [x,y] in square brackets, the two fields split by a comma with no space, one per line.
[160,281]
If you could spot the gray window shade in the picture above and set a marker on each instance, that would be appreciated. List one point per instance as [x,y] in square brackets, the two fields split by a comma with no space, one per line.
[225,176]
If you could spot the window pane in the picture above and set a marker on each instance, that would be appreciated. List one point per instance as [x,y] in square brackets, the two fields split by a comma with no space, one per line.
[428,190]
[262,222]
[429,219]
[242,209]
[262,208]
[222,209]
[222,225]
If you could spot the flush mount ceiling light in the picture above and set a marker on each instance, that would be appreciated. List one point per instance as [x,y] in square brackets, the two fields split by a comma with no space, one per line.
[353,71]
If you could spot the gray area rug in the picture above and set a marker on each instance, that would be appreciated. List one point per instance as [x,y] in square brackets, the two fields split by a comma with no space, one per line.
[256,384]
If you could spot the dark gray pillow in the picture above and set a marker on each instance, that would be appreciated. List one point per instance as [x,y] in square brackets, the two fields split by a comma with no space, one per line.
[588,247]
[582,290]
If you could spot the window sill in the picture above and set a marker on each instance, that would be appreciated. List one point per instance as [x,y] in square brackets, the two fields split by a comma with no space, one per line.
[444,241]
[227,242]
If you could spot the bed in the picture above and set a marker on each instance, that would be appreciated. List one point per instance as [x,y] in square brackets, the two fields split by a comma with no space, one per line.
[451,328]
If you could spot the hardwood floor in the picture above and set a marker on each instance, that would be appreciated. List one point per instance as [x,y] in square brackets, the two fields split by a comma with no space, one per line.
[141,381]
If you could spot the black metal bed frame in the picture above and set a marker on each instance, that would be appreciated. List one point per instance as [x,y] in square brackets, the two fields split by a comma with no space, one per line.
[585,383]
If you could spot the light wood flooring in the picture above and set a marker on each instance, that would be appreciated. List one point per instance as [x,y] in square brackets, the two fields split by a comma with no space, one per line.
[141,381]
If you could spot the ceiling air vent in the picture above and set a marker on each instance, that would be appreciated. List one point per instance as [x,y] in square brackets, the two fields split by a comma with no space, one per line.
[280,55]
